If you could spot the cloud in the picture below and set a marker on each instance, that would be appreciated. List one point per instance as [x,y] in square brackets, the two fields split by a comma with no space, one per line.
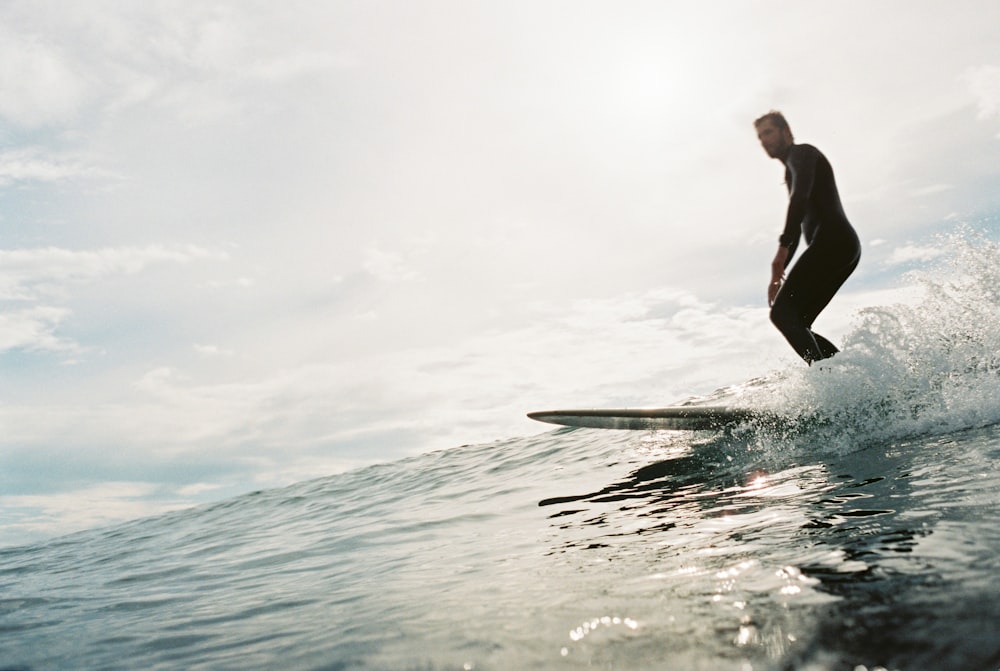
[317,404]
[984,83]
[39,85]
[35,274]
[388,266]
[32,164]
[931,190]
[31,516]
[205,68]
[912,253]
[34,329]
[48,279]
[213,351]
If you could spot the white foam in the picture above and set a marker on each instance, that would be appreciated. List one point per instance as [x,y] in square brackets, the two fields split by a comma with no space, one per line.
[926,367]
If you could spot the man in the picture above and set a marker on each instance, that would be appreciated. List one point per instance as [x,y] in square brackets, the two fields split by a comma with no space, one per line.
[814,210]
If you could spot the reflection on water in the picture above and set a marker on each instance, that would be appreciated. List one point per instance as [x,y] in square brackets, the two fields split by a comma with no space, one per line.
[814,562]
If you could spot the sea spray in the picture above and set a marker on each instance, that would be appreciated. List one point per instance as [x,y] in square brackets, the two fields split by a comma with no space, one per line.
[923,367]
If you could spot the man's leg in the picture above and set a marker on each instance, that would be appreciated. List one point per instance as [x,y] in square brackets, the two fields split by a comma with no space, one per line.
[790,320]
[811,285]
[826,348]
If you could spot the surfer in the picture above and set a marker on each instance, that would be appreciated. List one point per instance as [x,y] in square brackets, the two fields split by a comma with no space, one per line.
[815,211]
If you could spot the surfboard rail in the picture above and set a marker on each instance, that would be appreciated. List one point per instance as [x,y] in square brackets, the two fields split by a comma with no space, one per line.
[679,417]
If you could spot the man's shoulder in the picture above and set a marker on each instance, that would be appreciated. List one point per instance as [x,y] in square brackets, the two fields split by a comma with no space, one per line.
[800,155]
[802,149]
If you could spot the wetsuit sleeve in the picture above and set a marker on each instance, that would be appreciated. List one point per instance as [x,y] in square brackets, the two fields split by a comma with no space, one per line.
[801,175]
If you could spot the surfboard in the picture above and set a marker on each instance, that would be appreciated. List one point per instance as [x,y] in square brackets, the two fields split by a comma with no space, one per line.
[678,417]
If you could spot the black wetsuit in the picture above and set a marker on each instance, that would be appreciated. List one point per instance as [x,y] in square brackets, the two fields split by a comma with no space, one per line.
[833,253]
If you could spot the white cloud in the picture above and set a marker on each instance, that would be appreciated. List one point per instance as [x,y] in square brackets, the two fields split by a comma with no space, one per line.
[652,348]
[31,516]
[911,253]
[931,189]
[48,278]
[34,329]
[239,283]
[301,63]
[38,83]
[31,164]
[205,68]
[984,82]
[213,351]
[388,266]
[32,274]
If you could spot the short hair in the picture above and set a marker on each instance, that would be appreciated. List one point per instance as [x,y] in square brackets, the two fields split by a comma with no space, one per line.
[775,117]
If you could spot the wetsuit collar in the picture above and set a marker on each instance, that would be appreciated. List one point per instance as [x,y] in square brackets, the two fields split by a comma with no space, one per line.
[783,156]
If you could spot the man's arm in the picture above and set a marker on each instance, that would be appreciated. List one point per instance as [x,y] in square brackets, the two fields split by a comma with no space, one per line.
[801,164]
[801,175]
[777,273]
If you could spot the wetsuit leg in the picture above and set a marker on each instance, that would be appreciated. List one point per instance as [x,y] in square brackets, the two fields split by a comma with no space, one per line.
[814,279]
[826,348]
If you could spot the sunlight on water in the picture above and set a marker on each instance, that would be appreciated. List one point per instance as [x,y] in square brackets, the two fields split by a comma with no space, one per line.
[591,626]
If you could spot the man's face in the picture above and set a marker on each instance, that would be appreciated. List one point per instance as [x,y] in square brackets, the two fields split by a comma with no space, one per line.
[774,140]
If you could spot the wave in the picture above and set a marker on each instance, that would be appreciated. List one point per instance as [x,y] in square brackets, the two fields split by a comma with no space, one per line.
[925,366]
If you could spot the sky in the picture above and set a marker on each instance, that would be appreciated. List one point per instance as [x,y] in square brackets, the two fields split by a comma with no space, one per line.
[244,244]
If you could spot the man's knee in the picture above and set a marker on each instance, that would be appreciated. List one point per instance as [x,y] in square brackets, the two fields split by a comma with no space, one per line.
[781,315]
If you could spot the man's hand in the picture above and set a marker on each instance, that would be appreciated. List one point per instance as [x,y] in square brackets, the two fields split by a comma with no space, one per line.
[777,274]
[772,292]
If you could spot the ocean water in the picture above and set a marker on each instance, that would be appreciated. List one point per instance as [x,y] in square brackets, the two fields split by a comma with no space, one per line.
[861,532]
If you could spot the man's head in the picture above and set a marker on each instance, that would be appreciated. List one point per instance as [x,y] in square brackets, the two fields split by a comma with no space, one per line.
[774,134]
